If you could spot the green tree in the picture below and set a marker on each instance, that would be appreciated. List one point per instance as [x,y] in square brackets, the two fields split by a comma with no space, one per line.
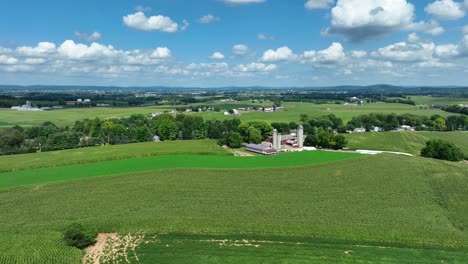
[113,133]
[254,135]
[265,128]
[165,126]
[76,235]
[340,142]
[444,150]
[140,134]
[440,124]
[235,140]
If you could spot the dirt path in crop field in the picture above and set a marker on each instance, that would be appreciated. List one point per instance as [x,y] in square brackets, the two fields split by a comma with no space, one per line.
[242,154]
[110,247]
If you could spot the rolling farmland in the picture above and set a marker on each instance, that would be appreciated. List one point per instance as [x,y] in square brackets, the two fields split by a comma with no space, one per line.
[293,111]
[63,173]
[346,112]
[390,211]
[410,142]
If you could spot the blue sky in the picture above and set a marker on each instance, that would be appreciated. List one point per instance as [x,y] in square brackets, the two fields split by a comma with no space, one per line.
[234,42]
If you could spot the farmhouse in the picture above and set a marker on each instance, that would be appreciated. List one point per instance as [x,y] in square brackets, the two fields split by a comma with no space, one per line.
[405,128]
[359,130]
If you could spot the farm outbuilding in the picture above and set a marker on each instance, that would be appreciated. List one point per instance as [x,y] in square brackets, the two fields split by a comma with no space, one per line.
[261,149]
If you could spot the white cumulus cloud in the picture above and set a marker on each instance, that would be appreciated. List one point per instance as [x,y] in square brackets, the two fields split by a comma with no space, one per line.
[446,10]
[359,20]
[240,49]
[72,50]
[406,52]
[333,54]
[255,67]
[161,53]
[217,56]
[160,23]
[281,54]
[42,48]
[7,60]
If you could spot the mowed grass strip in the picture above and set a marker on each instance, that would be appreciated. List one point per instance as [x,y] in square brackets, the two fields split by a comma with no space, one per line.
[411,142]
[106,153]
[373,200]
[63,173]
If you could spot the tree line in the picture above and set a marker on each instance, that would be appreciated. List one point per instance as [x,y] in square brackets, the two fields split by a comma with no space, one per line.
[458,109]
[322,131]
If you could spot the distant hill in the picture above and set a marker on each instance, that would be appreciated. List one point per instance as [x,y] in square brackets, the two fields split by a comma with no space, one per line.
[375,87]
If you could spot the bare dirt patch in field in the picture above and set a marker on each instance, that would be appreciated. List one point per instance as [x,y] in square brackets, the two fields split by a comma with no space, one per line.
[112,248]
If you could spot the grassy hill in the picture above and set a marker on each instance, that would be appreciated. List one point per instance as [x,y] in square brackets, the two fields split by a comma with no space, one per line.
[410,142]
[414,211]
[106,153]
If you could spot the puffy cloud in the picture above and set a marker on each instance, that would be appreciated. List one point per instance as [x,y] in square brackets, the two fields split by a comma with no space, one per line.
[217,56]
[42,48]
[435,31]
[243,1]
[72,50]
[208,19]
[333,54]
[281,54]
[445,10]
[431,27]
[160,23]
[318,4]
[161,53]
[7,60]
[256,67]
[447,51]
[95,36]
[359,20]
[240,49]
[406,52]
